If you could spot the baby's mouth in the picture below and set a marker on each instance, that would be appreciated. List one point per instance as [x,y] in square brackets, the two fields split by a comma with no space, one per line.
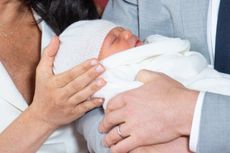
[138,43]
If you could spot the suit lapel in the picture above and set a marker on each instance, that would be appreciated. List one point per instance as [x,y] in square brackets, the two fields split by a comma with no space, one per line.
[9,92]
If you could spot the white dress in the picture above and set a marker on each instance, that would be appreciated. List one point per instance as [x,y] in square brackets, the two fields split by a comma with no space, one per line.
[12,104]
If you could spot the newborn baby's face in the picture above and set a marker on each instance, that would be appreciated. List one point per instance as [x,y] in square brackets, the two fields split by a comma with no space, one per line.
[117,40]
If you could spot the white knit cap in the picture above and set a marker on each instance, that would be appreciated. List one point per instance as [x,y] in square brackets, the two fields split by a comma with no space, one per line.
[81,41]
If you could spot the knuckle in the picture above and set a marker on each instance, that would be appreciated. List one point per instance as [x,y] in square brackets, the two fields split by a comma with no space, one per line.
[84,67]
[94,87]
[89,75]
[72,74]
[79,98]
[111,106]
[92,73]
[126,97]
[78,87]
[112,139]
[108,120]
[94,103]
[107,140]
[76,99]
[74,87]
[85,107]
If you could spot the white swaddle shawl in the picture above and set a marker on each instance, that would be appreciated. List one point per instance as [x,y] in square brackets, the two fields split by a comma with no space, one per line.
[162,54]
[170,56]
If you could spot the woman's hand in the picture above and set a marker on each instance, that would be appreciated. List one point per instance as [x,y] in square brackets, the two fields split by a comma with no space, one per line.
[61,99]
[179,145]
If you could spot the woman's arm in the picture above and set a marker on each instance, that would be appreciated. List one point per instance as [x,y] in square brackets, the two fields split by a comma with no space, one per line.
[58,100]
[25,135]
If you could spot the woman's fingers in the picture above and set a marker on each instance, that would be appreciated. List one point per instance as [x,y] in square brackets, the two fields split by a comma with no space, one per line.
[61,99]
[83,80]
[86,106]
[87,91]
[46,63]
[64,78]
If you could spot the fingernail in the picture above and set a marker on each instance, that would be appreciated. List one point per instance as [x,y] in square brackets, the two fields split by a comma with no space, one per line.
[94,62]
[99,69]
[100,82]
[101,100]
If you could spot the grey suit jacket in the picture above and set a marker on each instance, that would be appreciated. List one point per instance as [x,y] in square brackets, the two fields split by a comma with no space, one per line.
[176,18]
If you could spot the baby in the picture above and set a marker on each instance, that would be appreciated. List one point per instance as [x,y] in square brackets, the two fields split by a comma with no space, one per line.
[124,55]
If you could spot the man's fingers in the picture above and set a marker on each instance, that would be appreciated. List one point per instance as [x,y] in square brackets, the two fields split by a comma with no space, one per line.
[64,78]
[47,60]
[111,120]
[115,103]
[124,146]
[117,134]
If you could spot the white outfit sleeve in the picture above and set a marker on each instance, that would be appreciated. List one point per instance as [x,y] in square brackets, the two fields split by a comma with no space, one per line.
[195,131]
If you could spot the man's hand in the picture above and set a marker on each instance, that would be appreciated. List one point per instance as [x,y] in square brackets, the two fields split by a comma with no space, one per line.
[179,145]
[158,112]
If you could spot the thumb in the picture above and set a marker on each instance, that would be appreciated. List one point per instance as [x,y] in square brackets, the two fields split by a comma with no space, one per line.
[48,57]
[146,76]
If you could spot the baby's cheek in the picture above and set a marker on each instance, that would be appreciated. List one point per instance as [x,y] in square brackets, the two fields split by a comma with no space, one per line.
[106,53]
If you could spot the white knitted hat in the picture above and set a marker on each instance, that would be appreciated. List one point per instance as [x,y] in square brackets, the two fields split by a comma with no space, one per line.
[81,41]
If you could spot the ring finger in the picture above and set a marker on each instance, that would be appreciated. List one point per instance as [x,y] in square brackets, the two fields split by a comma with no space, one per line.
[116,135]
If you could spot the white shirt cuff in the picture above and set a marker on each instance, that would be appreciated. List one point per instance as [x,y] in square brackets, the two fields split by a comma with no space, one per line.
[195,131]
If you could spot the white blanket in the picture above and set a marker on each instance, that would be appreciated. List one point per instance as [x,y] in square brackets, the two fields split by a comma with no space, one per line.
[162,54]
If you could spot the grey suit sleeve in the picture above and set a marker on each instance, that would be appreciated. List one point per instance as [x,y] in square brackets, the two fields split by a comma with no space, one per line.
[215,124]
[88,127]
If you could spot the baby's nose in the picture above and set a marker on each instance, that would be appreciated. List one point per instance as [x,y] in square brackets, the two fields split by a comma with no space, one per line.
[126,34]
